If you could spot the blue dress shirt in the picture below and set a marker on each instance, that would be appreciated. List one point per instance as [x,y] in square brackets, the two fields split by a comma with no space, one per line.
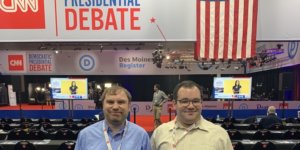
[92,138]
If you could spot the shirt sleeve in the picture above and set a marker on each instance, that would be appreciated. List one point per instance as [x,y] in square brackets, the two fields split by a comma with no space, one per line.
[79,142]
[146,142]
[164,95]
[153,141]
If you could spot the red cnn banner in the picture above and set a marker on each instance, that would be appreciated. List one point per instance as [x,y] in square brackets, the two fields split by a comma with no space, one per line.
[22,14]
[15,63]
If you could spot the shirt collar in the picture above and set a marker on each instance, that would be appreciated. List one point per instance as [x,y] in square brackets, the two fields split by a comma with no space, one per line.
[109,131]
[201,124]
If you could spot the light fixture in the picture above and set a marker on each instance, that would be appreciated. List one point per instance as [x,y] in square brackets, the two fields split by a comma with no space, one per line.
[107,85]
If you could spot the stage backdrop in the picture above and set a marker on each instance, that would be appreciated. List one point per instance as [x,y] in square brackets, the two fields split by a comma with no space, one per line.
[129,20]
[84,62]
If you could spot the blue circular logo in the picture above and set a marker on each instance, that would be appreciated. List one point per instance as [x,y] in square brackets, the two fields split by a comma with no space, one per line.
[292,49]
[136,107]
[86,62]
[243,106]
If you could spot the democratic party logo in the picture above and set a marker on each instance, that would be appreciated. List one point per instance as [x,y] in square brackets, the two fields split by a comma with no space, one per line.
[15,63]
[86,62]
[22,14]
[134,107]
[243,106]
[292,49]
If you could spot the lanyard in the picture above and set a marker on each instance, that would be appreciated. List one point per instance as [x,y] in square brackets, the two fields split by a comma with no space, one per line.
[107,138]
[176,141]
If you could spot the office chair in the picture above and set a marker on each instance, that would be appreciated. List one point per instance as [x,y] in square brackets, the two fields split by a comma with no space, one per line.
[37,135]
[264,145]
[227,125]
[65,134]
[41,120]
[68,145]
[5,126]
[291,120]
[65,120]
[45,126]
[237,145]
[85,120]
[291,134]
[6,120]
[296,147]
[276,126]
[24,145]
[235,135]
[25,120]
[26,125]
[230,120]
[262,135]
[17,134]
[71,125]
[254,126]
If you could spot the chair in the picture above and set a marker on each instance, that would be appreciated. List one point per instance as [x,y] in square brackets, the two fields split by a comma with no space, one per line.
[45,126]
[227,125]
[41,120]
[5,126]
[276,127]
[229,120]
[254,126]
[237,145]
[25,145]
[296,147]
[65,120]
[65,134]
[17,134]
[262,135]
[6,120]
[264,145]
[37,135]
[26,125]
[85,120]
[68,145]
[71,125]
[235,135]
[25,120]
[291,120]
[291,134]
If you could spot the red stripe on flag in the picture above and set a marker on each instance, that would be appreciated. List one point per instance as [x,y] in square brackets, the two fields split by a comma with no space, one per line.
[197,46]
[217,32]
[226,30]
[235,28]
[254,28]
[207,26]
[245,28]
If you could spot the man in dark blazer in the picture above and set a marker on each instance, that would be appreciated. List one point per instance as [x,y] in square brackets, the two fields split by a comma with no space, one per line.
[270,119]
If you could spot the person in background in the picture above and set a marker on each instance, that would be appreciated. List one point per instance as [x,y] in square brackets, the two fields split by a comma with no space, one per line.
[236,88]
[270,119]
[114,132]
[73,88]
[159,98]
[189,130]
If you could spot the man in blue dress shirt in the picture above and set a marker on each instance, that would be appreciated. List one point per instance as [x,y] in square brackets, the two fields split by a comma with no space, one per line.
[114,132]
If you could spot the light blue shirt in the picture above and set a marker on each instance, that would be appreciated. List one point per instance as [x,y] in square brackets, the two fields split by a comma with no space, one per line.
[92,138]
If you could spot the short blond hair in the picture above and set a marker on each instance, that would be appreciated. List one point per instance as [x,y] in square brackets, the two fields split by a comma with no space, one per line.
[271,110]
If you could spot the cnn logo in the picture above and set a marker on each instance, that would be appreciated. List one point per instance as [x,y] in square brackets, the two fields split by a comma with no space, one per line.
[15,62]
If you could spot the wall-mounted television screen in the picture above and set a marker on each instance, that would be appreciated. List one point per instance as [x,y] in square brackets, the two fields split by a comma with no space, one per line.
[232,87]
[69,88]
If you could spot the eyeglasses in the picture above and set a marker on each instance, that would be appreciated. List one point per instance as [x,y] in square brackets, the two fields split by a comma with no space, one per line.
[186,102]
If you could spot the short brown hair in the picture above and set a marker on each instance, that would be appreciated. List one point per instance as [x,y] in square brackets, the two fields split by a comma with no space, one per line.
[113,91]
[186,84]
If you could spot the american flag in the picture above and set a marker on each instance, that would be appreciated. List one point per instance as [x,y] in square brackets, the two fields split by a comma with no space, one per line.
[226,29]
